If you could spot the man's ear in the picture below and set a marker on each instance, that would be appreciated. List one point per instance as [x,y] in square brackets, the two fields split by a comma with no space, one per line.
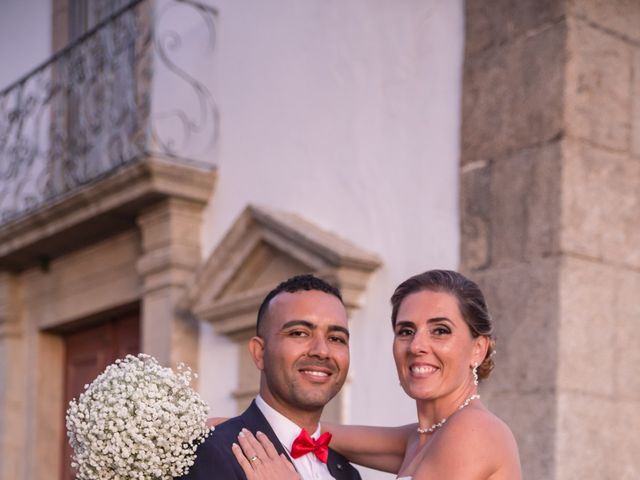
[256,349]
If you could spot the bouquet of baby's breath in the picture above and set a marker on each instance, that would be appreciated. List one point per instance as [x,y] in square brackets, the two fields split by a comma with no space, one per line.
[137,420]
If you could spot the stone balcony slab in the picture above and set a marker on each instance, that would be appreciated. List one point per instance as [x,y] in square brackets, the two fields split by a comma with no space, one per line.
[98,210]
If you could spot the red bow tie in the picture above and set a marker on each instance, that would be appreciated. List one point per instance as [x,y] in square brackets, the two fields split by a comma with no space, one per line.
[305,444]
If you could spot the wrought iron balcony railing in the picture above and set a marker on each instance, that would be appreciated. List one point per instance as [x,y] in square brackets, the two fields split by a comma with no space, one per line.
[121,92]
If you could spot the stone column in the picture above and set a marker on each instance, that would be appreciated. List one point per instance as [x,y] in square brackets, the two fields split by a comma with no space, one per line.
[171,253]
[13,379]
[550,194]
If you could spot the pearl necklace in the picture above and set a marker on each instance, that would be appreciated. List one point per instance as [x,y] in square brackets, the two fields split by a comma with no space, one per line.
[439,424]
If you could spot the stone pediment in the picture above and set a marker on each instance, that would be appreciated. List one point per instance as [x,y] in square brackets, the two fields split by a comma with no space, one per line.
[262,248]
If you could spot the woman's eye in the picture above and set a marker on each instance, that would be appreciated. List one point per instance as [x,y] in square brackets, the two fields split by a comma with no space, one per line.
[441,331]
[404,332]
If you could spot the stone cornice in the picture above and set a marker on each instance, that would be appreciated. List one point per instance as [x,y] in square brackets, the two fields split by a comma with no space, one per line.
[99,210]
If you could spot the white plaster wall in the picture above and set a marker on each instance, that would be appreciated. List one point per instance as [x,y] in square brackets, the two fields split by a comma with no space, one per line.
[346,112]
[25,37]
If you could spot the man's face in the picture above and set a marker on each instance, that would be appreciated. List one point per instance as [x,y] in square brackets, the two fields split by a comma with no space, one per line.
[304,352]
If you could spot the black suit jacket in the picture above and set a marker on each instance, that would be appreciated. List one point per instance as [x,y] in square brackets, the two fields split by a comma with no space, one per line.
[215,460]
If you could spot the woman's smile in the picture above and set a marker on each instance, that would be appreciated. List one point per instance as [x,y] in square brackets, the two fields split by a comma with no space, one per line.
[422,370]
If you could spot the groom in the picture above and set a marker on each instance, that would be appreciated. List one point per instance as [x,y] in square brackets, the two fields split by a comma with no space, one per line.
[302,351]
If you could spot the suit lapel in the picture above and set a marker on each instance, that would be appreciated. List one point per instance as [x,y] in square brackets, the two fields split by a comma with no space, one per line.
[254,421]
[337,466]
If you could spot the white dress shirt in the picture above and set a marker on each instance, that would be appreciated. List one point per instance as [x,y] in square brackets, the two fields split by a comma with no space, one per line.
[308,466]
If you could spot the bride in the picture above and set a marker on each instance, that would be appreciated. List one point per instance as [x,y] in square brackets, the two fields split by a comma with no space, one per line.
[442,347]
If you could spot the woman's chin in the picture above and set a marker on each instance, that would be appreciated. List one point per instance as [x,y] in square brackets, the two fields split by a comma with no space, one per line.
[418,393]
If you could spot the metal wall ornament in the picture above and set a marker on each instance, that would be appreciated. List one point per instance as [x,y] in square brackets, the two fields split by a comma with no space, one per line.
[89,110]
[173,132]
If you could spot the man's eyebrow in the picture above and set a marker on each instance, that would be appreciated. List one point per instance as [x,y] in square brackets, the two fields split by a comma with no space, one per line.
[338,328]
[313,326]
[298,323]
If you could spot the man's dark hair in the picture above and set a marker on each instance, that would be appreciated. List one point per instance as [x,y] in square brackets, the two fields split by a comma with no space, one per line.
[295,284]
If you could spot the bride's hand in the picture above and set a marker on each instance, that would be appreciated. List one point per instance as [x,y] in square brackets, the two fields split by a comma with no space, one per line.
[260,460]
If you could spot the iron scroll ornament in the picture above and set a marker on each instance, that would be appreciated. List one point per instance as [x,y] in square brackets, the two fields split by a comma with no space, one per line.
[88,111]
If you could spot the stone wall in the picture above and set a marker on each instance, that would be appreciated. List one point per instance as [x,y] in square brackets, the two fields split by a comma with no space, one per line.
[550,177]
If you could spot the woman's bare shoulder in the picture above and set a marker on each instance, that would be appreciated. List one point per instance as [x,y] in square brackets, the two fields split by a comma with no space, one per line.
[478,427]
[478,420]
[475,443]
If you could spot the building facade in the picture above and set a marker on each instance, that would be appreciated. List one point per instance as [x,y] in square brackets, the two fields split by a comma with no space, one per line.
[165,163]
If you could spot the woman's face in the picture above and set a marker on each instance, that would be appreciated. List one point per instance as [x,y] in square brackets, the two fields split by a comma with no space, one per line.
[433,346]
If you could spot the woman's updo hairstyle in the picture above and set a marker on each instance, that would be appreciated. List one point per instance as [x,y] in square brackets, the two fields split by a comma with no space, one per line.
[471,302]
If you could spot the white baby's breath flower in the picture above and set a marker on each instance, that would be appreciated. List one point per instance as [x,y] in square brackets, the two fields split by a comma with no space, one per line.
[136,420]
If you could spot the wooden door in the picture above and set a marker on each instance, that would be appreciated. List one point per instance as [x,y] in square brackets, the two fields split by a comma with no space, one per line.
[88,352]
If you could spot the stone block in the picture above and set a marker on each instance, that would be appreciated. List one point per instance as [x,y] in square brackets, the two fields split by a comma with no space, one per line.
[598,86]
[523,301]
[635,105]
[619,16]
[488,24]
[46,393]
[587,299]
[13,415]
[172,222]
[60,31]
[475,216]
[531,417]
[624,320]
[586,438]
[600,204]
[509,208]
[512,96]
[625,463]
[525,192]
[11,320]
[78,285]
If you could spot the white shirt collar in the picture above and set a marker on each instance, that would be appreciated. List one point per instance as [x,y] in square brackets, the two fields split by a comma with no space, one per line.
[286,430]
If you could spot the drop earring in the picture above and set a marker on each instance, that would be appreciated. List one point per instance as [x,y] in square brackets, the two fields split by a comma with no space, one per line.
[474,371]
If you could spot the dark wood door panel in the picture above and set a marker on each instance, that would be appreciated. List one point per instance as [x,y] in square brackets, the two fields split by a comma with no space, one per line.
[88,353]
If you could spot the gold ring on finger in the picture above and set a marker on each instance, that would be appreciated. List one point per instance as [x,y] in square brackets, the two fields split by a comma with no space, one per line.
[253,459]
